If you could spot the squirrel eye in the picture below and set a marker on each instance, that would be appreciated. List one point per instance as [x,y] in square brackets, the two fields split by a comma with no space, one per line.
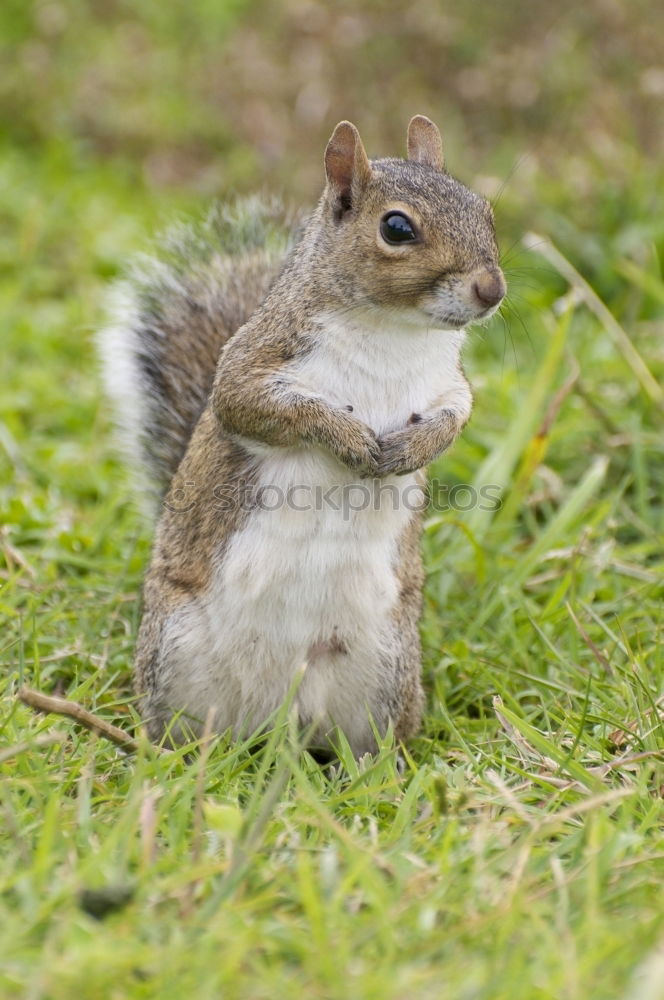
[395,227]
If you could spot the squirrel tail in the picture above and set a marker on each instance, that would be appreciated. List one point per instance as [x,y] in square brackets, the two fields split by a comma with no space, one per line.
[169,318]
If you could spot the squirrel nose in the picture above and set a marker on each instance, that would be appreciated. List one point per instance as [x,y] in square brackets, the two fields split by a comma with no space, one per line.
[489,288]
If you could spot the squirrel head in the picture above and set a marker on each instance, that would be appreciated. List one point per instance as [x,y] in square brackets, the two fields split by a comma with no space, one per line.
[404,233]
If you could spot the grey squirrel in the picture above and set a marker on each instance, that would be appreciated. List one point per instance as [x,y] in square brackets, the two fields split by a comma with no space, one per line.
[320,369]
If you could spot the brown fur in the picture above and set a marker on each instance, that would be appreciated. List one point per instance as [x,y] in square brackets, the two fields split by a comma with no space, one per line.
[176,310]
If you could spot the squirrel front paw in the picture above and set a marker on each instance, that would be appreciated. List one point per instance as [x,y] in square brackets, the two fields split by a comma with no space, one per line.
[356,445]
[398,454]
[418,444]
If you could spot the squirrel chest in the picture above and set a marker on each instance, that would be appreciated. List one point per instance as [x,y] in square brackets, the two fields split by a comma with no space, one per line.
[385,364]
[312,576]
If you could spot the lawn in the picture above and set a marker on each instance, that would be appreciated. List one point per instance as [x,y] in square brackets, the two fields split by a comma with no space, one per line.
[520,854]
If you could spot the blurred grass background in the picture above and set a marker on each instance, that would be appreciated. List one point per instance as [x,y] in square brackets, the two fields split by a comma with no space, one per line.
[208,97]
[520,856]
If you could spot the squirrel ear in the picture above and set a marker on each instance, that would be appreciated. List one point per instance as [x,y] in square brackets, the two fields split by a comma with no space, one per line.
[424,142]
[346,166]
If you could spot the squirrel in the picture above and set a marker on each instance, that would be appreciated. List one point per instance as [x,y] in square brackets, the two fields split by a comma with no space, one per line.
[286,384]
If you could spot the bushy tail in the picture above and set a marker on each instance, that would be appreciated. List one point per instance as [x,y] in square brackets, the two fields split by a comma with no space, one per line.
[169,318]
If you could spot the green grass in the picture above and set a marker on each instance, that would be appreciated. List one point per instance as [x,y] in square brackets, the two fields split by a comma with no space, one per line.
[521,853]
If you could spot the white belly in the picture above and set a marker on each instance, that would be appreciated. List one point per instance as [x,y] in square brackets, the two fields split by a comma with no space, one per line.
[298,587]
[311,578]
